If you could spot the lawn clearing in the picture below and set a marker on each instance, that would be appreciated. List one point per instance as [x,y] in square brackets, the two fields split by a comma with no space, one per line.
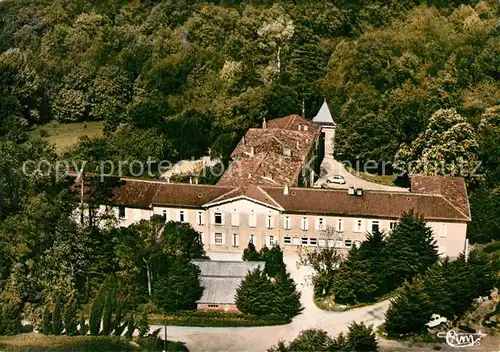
[65,135]
[39,343]
[387,180]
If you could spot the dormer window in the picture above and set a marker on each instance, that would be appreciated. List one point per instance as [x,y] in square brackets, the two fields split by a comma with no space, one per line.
[287,152]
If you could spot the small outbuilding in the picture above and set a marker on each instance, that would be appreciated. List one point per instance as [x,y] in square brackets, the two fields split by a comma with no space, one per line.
[220,280]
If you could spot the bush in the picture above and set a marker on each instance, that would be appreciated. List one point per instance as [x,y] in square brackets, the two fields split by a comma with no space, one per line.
[10,319]
[361,338]
[57,324]
[217,319]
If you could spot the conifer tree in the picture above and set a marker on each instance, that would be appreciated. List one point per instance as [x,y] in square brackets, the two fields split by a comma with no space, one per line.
[107,314]
[83,325]
[274,261]
[250,254]
[410,250]
[361,338]
[410,310]
[10,319]
[117,323]
[70,319]
[287,298]
[143,324]
[130,326]
[255,294]
[47,321]
[57,325]
[95,317]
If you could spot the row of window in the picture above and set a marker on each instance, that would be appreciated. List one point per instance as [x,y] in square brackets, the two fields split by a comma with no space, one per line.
[218,219]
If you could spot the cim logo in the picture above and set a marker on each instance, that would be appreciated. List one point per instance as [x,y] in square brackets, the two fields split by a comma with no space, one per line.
[462,339]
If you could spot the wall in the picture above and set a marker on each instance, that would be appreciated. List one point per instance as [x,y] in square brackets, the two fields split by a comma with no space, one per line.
[220,307]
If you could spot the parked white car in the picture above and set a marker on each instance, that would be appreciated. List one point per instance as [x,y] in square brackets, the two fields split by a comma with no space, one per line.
[436,320]
[339,179]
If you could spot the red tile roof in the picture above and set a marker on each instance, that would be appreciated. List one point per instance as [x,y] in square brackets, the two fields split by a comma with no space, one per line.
[272,156]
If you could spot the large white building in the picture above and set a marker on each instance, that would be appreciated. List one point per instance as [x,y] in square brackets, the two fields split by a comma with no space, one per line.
[264,198]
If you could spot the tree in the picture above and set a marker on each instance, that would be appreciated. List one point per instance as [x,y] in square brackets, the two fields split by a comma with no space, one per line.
[46,321]
[250,254]
[410,250]
[287,298]
[274,261]
[178,286]
[95,317]
[10,318]
[57,324]
[311,340]
[182,241]
[447,147]
[70,317]
[409,311]
[83,326]
[107,315]
[361,338]
[255,294]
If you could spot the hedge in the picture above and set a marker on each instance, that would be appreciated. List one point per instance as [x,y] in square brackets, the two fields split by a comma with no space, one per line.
[216,319]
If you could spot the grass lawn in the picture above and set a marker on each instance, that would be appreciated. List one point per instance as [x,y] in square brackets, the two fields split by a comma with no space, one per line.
[40,343]
[215,319]
[65,135]
[387,180]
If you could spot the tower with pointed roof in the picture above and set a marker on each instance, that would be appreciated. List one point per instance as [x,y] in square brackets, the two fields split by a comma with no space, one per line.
[325,120]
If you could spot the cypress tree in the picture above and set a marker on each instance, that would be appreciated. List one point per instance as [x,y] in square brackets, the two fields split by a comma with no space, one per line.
[286,297]
[274,261]
[250,254]
[70,319]
[47,321]
[95,317]
[107,314]
[409,311]
[10,319]
[83,325]
[361,338]
[130,326]
[410,250]
[117,323]
[143,324]
[255,295]
[57,324]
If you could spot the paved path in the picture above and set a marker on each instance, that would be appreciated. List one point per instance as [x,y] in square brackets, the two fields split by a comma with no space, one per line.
[261,338]
[331,167]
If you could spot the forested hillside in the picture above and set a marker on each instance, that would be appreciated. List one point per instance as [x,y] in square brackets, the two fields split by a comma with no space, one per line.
[171,79]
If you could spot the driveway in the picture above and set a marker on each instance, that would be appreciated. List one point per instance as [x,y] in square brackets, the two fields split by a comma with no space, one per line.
[331,167]
[261,338]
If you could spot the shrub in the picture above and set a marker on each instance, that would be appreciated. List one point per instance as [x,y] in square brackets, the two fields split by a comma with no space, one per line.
[10,319]
[47,322]
[70,319]
[57,324]
[361,338]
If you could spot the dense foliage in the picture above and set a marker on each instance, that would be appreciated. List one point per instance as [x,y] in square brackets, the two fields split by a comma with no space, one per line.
[272,257]
[258,294]
[359,338]
[447,289]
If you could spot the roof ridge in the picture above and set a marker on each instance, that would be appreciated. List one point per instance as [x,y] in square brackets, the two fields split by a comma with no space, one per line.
[270,198]
[454,206]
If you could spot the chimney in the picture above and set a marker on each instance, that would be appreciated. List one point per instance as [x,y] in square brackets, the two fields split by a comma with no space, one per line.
[306,127]
[286,190]
[359,192]
[351,191]
[264,123]
[249,175]
[244,140]
[300,127]
[298,144]
[252,151]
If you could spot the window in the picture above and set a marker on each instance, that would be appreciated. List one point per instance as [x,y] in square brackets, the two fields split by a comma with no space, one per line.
[288,240]
[235,219]
[320,224]
[304,224]
[252,220]
[442,231]
[218,218]
[340,225]
[164,213]
[213,306]
[200,218]
[235,240]
[313,241]
[121,212]
[182,216]
[304,241]
[359,226]
[218,238]
[271,241]
[269,222]
[375,226]
[286,223]
[251,239]
[393,224]
[348,243]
